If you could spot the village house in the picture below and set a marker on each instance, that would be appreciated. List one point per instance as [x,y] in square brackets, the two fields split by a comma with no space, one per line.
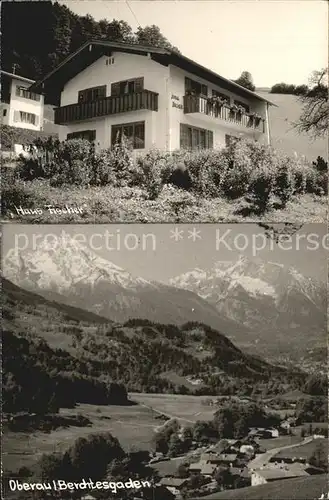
[267,475]
[173,484]
[153,96]
[228,459]
[19,106]
[203,467]
[263,433]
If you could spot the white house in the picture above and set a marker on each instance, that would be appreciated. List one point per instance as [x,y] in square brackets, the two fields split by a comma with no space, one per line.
[155,97]
[19,106]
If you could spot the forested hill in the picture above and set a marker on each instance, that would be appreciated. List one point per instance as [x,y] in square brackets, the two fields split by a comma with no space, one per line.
[36,36]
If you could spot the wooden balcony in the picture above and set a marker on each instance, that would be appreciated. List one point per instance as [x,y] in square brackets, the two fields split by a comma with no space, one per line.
[107,106]
[197,104]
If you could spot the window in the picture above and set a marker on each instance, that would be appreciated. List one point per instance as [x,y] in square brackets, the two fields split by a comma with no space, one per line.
[196,87]
[134,132]
[4,113]
[195,138]
[127,86]
[92,94]
[109,61]
[24,92]
[89,135]
[22,116]
[243,105]
[230,139]
[215,93]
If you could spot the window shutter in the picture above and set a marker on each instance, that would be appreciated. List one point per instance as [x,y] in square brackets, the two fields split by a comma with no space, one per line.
[115,89]
[188,84]
[36,121]
[210,139]
[204,90]
[139,84]
[16,116]
[185,136]
[102,92]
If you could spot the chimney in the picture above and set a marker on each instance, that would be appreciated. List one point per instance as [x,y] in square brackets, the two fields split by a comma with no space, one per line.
[14,68]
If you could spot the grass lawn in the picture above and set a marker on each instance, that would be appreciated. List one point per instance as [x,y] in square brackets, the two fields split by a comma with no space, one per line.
[187,409]
[301,488]
[302,451]
[132,425]
[109,204]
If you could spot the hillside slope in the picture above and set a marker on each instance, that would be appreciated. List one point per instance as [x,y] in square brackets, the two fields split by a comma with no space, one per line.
[138,353]
[283,134]
[301,488]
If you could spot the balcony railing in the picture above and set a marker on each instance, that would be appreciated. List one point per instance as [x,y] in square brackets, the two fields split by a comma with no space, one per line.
[107,106]
[197,104]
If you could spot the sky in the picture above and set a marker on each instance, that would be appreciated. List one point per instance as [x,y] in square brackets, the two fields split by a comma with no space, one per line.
[160,257]
[275,40]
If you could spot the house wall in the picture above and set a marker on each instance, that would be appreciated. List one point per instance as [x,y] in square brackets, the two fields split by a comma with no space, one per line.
[125,66]
[162,128]
[257,479]
[22,104]
[219,127]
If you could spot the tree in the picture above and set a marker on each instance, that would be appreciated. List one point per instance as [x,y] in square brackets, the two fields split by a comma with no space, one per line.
[223,477]
[283,88]
[314,118]
[245,80]
[152,36]
[175,445]
[319,457]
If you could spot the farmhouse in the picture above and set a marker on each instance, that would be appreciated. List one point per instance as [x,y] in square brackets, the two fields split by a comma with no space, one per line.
[19,106]
[152,96]
[268,475]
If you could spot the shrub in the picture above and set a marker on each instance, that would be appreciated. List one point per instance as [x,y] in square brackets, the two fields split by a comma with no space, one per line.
[284,185]
[260,188]
[237,170]
[153,170]
[13,192]
[205,168]
[177,200]
[121,164]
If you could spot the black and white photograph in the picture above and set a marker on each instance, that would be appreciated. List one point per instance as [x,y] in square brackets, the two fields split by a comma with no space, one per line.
[165,362]
[164,111]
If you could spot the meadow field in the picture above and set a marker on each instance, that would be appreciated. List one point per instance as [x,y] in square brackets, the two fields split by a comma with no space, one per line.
[134,426]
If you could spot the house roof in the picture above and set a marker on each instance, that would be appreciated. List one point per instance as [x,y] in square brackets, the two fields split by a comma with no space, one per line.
[228,457]
[17,77]
[196,466]
[276,473]
[208,469]
[89,52]
[238,471]
[173,481]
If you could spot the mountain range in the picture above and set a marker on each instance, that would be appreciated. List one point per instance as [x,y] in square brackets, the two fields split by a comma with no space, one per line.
[75,275]
[277,303]
[257,304]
